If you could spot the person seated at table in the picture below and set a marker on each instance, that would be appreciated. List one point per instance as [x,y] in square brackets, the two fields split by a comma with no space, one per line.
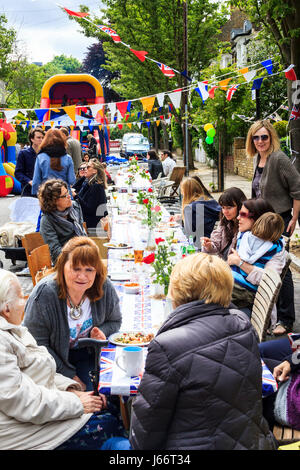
[223,237]
[81,171]
[202,363]
[168,162]
[247,275]
[89,191]
[195,194]
[154,164]
[41,409]
[282,358]
[77,301]
[61,217]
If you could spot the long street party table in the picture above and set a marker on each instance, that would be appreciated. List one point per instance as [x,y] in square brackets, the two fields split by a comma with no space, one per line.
[141,312]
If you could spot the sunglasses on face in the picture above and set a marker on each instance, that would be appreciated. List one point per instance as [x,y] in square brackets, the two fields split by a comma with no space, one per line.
[263,137]
[83,168]
[245,215]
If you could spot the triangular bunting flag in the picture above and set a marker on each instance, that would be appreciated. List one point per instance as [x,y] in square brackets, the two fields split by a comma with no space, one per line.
[129,124]
[167,71]
[120,126]
[290,73]
[10,113]
[115,37]
[202,90]
[140,54]
[76,13]
[148,123]
[211,92]
[40,113]
[268,64]
[70,111]
[139,124]
[160,99]
[122,107]
[157,123]
[257,83]
[248,76]
[231,92]
[184,74]
[175,98]
[223,83]
[95,108]
[148,103]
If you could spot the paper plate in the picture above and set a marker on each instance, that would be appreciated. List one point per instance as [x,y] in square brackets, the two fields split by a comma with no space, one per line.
[120,276]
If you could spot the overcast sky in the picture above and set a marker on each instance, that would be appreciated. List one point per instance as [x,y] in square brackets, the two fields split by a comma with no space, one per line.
[44,30]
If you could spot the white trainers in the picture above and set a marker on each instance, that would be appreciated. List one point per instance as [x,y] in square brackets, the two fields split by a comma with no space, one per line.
[24,272]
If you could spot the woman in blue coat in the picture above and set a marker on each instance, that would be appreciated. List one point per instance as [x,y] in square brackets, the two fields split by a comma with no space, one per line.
[53,161]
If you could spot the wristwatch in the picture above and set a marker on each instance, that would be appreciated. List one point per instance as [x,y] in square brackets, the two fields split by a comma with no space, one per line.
[241,262]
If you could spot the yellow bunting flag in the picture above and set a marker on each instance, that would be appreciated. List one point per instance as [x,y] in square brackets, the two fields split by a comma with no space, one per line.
[148,103]
[223,83]
[244,70]
[70,111]
[157,123]
[129,124]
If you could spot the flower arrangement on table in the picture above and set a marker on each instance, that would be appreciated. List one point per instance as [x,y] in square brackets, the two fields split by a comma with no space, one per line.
[130,179]
[162,262]
[150,207]
[133,164]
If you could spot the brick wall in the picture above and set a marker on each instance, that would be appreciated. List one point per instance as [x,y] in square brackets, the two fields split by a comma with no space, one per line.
[243,165]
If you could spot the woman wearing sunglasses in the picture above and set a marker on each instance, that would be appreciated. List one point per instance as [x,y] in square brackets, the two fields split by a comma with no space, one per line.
[276,180]
[61,217]
[247,274]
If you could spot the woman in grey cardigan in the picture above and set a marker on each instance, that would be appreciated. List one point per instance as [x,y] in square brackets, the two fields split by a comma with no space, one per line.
[61,218]
[276,180]
[78,301]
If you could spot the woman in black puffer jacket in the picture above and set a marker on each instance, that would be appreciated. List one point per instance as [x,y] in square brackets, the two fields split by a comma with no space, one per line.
[202,385]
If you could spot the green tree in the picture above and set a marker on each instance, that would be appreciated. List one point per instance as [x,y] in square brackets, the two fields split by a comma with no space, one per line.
[67,64]
[280,20]
[7,41]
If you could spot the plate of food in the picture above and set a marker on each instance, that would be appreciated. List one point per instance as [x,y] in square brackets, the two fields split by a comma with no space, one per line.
[132,338]
[120,276]
[118,246]
[128,257]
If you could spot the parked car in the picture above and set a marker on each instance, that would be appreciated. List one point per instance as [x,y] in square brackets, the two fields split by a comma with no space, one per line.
[134,144]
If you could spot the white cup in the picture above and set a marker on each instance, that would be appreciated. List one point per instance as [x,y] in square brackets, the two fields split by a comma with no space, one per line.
[132,358]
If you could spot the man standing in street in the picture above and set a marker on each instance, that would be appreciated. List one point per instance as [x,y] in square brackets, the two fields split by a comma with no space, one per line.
[93,150]
[26,161]
[73,149]
[167,162]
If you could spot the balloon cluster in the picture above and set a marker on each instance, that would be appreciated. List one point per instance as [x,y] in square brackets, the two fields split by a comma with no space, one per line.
[210,133]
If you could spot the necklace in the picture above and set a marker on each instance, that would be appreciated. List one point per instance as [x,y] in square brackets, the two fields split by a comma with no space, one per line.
[75,310]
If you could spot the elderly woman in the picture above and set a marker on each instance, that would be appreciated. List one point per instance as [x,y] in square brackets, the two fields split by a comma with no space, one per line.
[201,365]
[89,191]
[53,161]
[78,301]
[61,218]
[273,169]
[39,408]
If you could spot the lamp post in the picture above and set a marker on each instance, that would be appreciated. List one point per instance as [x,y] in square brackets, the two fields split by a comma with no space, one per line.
[185,93]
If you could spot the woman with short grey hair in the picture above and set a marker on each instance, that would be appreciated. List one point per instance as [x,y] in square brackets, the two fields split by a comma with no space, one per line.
[39,408]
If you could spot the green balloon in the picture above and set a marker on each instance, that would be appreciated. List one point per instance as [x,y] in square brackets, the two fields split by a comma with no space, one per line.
[211,132]
[209,140]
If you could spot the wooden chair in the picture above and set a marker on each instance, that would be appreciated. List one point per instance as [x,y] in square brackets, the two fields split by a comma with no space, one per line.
[40,262]
[99,242]
[176,176]
[30,241]
[285,435]
[264,301]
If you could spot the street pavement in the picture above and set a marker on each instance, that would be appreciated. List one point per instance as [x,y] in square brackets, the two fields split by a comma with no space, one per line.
[207,175]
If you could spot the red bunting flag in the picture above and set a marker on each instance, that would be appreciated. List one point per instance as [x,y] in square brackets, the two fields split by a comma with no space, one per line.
[115,37]
[76,13]
[211,92]
[295,114]
[140,54]
[122,107]
[290,73]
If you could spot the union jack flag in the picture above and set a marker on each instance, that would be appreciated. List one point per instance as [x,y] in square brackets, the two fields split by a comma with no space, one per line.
[167,71]
[295,114]
[231,92]
[115,37]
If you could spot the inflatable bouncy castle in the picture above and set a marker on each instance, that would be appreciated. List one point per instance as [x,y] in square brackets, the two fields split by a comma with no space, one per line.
[67,99]
[8,140]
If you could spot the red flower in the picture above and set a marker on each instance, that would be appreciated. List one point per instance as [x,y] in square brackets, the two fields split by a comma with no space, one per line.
[150,190]
[145,201]
[158,240]
[149,259]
